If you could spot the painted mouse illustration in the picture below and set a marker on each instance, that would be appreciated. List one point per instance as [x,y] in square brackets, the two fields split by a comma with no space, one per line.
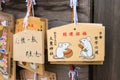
[61,49]
[87,51]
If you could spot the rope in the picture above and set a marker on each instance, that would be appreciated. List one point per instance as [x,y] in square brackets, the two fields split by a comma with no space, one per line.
[35,76]
[73,4]
[30,3]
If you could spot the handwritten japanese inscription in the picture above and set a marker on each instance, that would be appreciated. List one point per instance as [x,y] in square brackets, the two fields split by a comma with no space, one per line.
[28,46]
[85,43]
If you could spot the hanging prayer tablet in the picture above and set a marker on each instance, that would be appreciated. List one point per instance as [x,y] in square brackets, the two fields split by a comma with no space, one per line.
[83,43]
[38,68]
[7,20]
[30,75]
[12,75]
[37,24]
[28,46]
[34,23]
[4,52]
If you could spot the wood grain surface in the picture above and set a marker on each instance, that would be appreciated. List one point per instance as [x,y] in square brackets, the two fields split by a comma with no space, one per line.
[108,13]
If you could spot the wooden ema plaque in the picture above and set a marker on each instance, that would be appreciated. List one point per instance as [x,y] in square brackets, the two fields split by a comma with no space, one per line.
[12,75]
[40,69]
[34,23]
[7,19]
[38,24]
[26,75]
[4,51]
[83,45]
[28,46]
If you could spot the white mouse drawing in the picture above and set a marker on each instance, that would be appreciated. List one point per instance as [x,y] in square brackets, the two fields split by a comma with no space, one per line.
[87,51]
[61,49]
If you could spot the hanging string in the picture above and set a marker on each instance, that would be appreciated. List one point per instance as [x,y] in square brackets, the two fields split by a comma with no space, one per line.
[33,3]
[35,76]
[1,1]
[30,3]
[73,72]
[73,4]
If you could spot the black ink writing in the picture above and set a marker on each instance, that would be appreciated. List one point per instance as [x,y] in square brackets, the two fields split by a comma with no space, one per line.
[96,42]
[96,37]
[96,47]
[33,39]
[100,37]
[29,54]
[33,54]
[37,54]
[22,40]
[96,52]
[55,43]
[51,43]
[100,32]
[51,53]
[51,48]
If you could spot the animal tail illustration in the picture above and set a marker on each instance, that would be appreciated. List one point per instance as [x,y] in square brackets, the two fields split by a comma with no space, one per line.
[55,57]
[92,57]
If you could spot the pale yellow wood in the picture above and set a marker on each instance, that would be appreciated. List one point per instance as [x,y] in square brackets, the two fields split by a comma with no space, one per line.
[9,18]
[7,49]
[11,64]
[82,63]
[73,15]
[70,35]
[25,74]
[13,73]
[40,68]
[29,50]
[34,23]
[40,24]
[48,75]
[11,44]
[1,77]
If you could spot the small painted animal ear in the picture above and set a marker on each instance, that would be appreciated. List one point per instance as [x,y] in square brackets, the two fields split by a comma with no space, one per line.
[88,38]
[60,44]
